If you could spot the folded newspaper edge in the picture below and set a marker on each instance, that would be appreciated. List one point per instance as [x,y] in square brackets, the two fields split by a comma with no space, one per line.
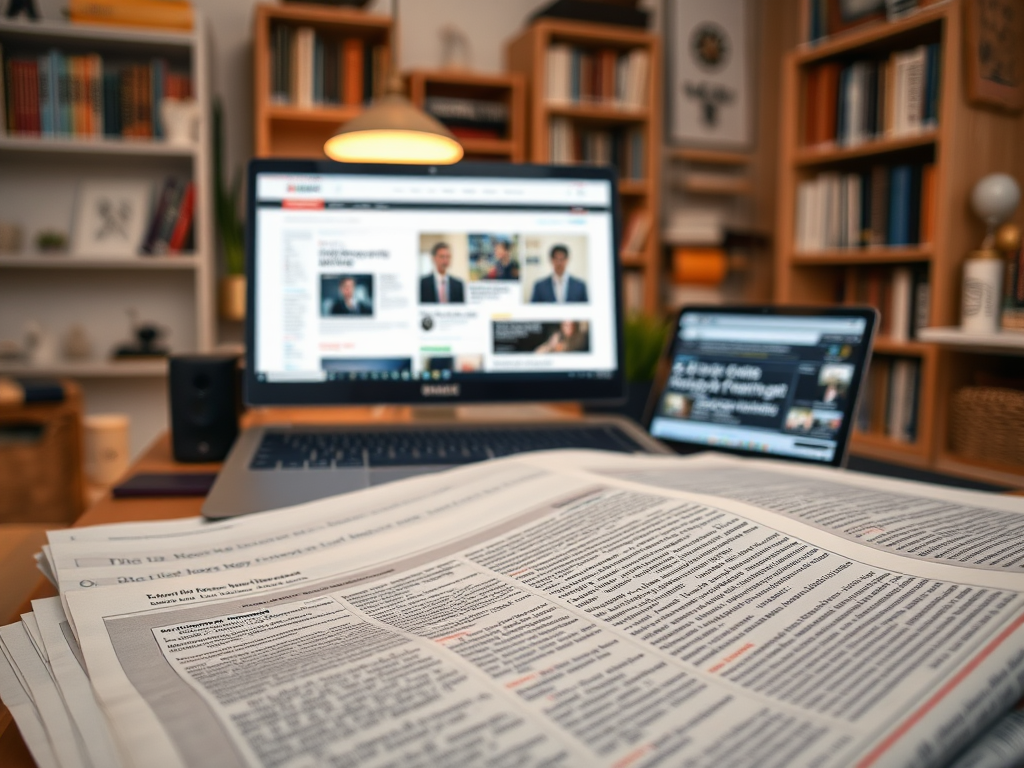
[558,608]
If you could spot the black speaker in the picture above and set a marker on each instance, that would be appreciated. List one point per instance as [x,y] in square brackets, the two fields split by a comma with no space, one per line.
[205,403]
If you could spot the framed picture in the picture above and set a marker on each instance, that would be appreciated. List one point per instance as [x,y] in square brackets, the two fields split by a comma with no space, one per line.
[709,79]
[993,35]
[110,218]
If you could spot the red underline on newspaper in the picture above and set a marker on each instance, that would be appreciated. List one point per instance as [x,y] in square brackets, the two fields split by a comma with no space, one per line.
[520,571]
[633,756]
[911,721]
[520,681]
[731,657]
[456,636]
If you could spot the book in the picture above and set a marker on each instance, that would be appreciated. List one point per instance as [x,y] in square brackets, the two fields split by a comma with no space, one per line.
[901,304]
[183,224]
[635,233]
[352,70]
[899,205]
[162,14]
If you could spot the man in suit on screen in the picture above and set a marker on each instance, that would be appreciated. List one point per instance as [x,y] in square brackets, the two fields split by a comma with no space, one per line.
[347,302]
[559,287]
[439,287]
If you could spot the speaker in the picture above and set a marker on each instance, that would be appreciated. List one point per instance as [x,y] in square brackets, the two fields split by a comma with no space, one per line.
[205,403]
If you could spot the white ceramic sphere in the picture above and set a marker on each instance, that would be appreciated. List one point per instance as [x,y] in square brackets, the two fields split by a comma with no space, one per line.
[995,198]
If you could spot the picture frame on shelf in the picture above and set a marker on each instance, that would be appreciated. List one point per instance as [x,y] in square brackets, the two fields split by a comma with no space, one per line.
[710,98]
[110,218]
[993,30]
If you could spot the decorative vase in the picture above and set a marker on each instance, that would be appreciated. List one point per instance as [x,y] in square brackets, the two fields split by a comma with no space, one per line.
[232,297]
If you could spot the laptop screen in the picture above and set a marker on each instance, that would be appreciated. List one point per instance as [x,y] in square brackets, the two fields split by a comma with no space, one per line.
[397,284]
[780,381]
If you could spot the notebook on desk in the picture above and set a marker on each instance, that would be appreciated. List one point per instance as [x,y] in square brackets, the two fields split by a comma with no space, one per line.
[432,286]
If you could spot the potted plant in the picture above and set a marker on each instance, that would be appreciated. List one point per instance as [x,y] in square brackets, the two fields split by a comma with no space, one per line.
[643,341]
[229,225]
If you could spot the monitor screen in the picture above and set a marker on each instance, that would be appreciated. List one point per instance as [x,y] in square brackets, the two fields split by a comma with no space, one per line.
[400,284]
[777,381]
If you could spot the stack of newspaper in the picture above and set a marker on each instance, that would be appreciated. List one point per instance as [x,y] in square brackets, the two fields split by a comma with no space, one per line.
[568,608]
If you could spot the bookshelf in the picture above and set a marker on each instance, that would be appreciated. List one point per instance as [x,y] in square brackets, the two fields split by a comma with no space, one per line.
[962,143]
[472,89]
[39,186]
[287,125]
[528,54]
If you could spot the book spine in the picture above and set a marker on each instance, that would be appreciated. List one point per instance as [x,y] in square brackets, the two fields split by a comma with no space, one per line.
[352,70]
[179,235]
[367,71]
[899,205]
[96,94]
[31,90]
[45,96]
[901,304]
[128,101]
[158,76]
[166,14]
[5,88]
[111,104]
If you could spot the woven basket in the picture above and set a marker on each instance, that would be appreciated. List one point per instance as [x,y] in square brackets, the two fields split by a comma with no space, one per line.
[987,423]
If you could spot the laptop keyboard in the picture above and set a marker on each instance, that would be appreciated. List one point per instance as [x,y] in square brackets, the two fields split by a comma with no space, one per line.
[327,450]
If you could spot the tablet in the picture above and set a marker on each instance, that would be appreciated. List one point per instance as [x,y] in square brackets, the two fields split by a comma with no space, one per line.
[772,381]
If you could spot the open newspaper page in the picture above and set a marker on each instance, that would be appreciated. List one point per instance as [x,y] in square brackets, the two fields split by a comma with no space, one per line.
[569,611]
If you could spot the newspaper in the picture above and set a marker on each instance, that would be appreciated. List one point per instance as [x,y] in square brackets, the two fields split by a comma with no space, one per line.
[564,608]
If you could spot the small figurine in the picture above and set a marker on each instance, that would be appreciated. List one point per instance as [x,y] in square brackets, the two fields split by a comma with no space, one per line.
[147,336]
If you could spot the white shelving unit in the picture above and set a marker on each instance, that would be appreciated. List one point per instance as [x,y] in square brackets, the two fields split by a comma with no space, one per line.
[39,179]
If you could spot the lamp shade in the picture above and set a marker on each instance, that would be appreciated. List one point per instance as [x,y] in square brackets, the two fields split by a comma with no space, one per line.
[392,130]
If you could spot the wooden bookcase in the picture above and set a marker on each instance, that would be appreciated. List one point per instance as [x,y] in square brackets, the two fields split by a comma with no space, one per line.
[283,130]
[509,89]
[527,54]
[39,183]
[968,143]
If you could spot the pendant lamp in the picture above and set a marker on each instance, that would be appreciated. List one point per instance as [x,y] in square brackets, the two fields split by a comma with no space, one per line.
[392,130]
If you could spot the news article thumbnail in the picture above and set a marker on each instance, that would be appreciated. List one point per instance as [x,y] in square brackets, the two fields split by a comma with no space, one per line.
[751,394]
[540,338]
[549,256]
[494,256]
[346,294]
[443,254]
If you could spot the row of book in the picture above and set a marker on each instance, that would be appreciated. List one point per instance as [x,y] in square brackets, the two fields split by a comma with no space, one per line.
[860,101]
[623,148]
[309,69]
[889,402]
[902,296]
[170,226]
[607,76]
[887,205]
[470,118]
[58,95]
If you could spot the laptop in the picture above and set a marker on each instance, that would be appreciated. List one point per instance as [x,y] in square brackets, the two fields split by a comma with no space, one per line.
[423,285]
[763,381]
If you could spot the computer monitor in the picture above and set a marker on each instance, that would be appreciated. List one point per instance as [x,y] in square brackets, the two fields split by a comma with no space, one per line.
[419,284]
[776,381]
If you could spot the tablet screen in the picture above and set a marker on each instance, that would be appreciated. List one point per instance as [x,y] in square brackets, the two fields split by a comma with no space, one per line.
[780,382]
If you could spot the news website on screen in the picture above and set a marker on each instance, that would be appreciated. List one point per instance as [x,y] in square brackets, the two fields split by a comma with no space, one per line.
[769,384]
[419,277]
